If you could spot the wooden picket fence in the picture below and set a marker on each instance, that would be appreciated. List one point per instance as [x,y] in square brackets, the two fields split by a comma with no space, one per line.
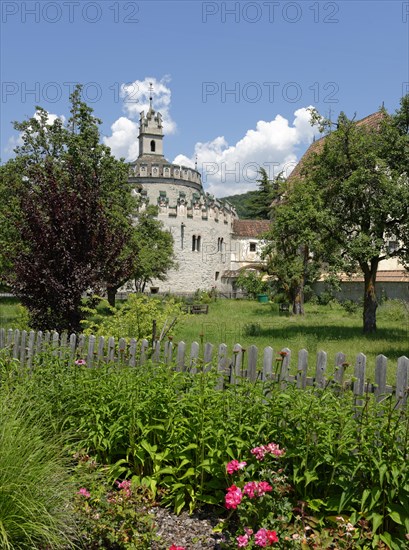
[232,365]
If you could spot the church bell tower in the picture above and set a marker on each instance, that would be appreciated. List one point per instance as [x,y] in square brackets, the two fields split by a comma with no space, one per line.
[150,132]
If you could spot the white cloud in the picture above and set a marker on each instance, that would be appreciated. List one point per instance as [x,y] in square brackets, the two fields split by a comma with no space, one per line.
[228,170]
[124,139]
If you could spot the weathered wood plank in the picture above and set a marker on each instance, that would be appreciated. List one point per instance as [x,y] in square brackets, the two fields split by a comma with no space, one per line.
[381,363]
[111,350]
[101,348]
[30,348]
[321,369]
[122,351]
[23,350]
[180,357]
[132,352]
[340,365]
[268,356]
[285,367]
[222,365]
[302,369]
[207,357]
[16,344]
[144,352]
[194,357]
[402,382]
[237,360]
[252,363]
[90,354]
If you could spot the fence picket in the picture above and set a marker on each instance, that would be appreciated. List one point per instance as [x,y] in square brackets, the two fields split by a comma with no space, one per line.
[168,352]
[194,357]
[90,354]
[132,352]
[268,357]
[359,382]
[222,362]
[121,351]
[16,344]
[55,340]
[402,375]
[207,357]
[30,348]
[111,350]
[73,346]
[302,369]
[23,350]
[235,373]
[144,352]
[252,364]
[340,366]
[180,357]
[2,338]
[101,348]
[285,367]
[380,376]
[320,369]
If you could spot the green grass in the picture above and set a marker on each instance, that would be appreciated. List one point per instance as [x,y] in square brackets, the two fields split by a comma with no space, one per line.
[328,328]
[9,312]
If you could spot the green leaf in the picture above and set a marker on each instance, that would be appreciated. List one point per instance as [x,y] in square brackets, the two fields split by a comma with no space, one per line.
[179,503]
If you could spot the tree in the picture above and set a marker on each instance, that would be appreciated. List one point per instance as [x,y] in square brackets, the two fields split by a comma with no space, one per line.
[360,181]
[292,248]
[72,215]
[259,202]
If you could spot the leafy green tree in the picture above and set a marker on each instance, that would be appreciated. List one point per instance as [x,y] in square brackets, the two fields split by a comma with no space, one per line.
[71,216]
[252,282]
[259,202]
[293,246]
[360,183]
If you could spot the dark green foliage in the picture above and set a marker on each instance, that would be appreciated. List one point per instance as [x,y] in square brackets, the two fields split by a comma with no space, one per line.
[70,218]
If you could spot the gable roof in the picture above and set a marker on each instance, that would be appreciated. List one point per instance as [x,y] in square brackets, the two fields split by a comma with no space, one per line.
[370,121]
[250,228]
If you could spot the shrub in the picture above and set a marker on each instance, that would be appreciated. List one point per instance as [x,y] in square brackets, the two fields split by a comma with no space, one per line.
[134,318]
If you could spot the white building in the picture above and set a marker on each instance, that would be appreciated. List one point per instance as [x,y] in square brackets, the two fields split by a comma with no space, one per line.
[211,245]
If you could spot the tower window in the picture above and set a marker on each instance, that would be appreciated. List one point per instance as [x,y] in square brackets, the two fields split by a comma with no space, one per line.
[196,243]
[153,145]
[252,247]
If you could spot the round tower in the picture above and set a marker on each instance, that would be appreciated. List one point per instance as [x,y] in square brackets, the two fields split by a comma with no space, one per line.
[200,224]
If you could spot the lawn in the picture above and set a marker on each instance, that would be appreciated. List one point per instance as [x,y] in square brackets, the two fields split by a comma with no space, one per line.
[330,328]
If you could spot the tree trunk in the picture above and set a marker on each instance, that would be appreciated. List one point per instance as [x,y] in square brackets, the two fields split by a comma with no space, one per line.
[298,300]
[370,301]
[111,292]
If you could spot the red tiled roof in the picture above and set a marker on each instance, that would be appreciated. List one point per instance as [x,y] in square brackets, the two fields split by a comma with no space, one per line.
[250,228]
[370,121]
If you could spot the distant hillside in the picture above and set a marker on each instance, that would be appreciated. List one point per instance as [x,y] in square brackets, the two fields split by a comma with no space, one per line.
[241,203]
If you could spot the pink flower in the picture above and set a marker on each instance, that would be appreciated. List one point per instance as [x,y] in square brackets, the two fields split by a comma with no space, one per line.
[271,448]
[83,492]
[265,538]
[233,497]
[234,466]
[242,541]
[258,452]
[80,362]
[261,538]
[250,489]
[274,449]
[263,487]
[173,547]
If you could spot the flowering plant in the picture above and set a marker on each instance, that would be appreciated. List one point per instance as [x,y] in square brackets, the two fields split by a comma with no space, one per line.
[257,499]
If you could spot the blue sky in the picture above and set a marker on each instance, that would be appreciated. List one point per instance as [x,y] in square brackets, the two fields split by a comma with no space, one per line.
[233,79]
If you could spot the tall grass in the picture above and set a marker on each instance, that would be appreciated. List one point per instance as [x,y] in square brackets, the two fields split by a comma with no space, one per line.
[35,488]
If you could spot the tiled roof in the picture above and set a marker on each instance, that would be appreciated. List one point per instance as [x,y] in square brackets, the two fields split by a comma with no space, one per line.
[371,121]
[250,228]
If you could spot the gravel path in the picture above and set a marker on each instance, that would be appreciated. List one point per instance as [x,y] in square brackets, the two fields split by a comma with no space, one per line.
[194,532]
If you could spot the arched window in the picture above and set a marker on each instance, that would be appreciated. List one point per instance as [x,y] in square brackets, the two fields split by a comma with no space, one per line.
[193,242]
[153,146]
[198,243]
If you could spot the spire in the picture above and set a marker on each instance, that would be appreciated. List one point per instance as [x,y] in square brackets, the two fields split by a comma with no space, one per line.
[150,96]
